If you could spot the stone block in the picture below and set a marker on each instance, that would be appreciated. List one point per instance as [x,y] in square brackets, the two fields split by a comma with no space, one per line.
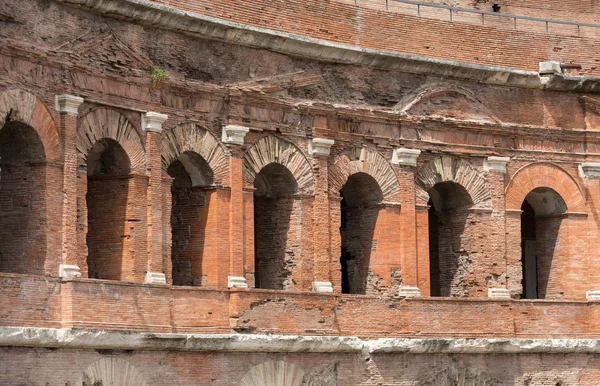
[409,292]
[236,282]
[322,286]
[68,270]
[234,135]
[405,157]
[320,146]
[498,293]
[549,68]
[495,164]
[155,278]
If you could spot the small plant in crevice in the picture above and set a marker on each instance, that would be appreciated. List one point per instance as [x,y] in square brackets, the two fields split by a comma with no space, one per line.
[157,75]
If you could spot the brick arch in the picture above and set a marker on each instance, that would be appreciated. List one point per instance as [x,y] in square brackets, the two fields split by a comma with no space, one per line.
[272,149]
[108,123]
[189,137]
[28,109]
[431,91]
[112,371]
[274,373]
[544,174]
[450,169]
[363,160]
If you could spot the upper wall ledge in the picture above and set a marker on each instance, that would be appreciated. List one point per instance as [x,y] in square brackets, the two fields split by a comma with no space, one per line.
[148,13]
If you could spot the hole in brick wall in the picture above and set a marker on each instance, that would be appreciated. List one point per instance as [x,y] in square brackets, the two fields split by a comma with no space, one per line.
[109,191]
[540,226]
[448,205]
[275,239]
[189,217]
[23,189]
[495,7]
[359,211]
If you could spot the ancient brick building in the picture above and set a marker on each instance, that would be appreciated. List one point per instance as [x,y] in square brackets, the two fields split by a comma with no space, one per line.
[299,192]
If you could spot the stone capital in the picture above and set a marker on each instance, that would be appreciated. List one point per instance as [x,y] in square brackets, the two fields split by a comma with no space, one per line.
[236,282]
[67,104]
[320,147]
[322,286]
[409,292]
[589,170]
[66,271]
[152,122]
[155,278]
[495,164]
[499,293]
[234,135]
[549,68]
[405,157]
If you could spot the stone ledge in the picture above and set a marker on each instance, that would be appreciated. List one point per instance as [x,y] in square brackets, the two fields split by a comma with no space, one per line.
[127,340]
[163,16]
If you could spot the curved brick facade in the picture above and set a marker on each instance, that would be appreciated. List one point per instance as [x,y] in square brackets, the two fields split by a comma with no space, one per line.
[274,193]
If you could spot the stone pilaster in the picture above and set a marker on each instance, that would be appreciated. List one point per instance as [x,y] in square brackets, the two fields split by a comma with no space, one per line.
[155,272]
[67,106]
[495,168]
[233,137]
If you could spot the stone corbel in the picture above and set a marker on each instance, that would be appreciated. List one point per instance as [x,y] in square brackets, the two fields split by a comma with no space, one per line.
[320,147]
[589,170]
[67,104]
[405,157]
[234,135]
[153,122]
[495,164]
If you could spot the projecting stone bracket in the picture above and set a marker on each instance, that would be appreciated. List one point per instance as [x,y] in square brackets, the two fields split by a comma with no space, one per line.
[236,282]
[234,135]
[409,292]
[66,271]
[322,286]
[498,293]
[495,164]
[549,68]
[155,278]
[405,157]
[589,170]
[320,147]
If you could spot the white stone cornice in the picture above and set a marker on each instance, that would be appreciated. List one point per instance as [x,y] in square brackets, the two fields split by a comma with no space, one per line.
[234,134]
[589,170]
[133,340]
[67,104]
[320,147]
[405,157]
[153,122]
[495,164]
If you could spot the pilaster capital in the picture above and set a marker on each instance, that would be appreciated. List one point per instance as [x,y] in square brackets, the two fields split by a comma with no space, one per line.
[152,122]
[234,134]
[320,147]
[589,170]
[495,164]
[405,157]
[67,104]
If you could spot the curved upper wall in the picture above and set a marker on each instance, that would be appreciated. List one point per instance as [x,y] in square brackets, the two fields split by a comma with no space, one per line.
[346,24]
